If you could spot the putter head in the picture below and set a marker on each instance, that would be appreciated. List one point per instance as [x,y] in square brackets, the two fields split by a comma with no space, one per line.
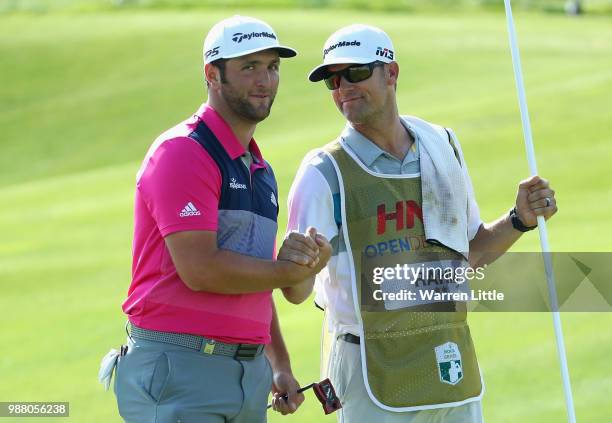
[326,395]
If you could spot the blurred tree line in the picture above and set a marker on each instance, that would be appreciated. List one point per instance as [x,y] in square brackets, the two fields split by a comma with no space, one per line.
[549,6]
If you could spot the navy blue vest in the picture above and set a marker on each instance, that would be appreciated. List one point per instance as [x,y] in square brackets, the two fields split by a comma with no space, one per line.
[241,192]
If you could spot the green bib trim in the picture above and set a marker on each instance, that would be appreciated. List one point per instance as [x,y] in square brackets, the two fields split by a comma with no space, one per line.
[415,356]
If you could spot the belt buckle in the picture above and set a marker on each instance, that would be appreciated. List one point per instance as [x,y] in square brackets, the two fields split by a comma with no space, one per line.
[209,346]
[247,352]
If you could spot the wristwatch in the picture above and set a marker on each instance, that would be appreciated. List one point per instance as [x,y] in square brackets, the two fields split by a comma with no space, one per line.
[517,224]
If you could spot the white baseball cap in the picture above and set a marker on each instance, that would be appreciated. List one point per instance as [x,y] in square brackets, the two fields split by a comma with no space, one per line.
[354,44]
[239,36]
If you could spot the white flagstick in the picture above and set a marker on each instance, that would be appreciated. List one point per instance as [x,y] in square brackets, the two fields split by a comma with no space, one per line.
[550,278]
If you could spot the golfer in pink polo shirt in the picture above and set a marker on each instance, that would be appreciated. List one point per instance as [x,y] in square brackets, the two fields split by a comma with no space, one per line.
[205,343]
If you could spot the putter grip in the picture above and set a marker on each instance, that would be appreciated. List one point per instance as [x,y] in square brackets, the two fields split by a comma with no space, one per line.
[305,388]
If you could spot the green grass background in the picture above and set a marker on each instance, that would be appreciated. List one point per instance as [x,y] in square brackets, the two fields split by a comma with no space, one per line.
[82,95]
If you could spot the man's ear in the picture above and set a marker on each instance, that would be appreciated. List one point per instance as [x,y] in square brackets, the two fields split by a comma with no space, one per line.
[212,75]
[393,73]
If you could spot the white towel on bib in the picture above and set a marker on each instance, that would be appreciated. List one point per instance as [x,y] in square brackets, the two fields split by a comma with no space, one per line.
[444,185]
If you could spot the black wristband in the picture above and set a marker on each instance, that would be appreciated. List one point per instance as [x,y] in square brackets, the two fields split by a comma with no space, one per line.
[517,224]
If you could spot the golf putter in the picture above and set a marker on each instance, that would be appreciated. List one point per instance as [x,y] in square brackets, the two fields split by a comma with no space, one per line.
[325,393]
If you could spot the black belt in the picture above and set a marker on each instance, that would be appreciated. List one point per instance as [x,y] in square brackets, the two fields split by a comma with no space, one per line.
[349,337]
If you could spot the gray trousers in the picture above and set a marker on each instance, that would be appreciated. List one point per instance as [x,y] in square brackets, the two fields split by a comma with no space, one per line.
[162,383]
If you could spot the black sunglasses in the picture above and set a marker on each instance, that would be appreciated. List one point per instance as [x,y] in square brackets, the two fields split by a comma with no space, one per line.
[353,74]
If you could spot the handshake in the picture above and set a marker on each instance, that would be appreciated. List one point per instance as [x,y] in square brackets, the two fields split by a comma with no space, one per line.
[302,256]
[299,259]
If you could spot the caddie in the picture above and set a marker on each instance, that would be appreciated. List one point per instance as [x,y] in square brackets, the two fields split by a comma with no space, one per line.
[394,190]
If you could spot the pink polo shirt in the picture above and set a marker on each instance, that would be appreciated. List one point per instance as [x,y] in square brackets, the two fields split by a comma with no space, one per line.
[178,188]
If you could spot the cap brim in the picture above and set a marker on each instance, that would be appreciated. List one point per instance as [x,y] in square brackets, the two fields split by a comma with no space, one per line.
[283,52]
[286,52]
[320,72]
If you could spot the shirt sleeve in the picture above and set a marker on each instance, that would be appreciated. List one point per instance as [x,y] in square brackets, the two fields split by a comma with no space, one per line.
[181,186]
[310,202]
[474,221]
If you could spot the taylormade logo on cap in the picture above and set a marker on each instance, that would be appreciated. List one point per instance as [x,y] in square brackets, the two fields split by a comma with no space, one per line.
[340,44]
[354,44]
[241,35]
[238,37]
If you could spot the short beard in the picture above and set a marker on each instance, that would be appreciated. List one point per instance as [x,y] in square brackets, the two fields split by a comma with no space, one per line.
[369,114]
[364,116]
[241,106]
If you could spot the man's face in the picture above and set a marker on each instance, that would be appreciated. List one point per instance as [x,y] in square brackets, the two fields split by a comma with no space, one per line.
[251,83]
[361,101]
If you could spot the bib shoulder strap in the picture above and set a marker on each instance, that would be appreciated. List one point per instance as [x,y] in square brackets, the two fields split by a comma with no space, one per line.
[442,132]
[452,144]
